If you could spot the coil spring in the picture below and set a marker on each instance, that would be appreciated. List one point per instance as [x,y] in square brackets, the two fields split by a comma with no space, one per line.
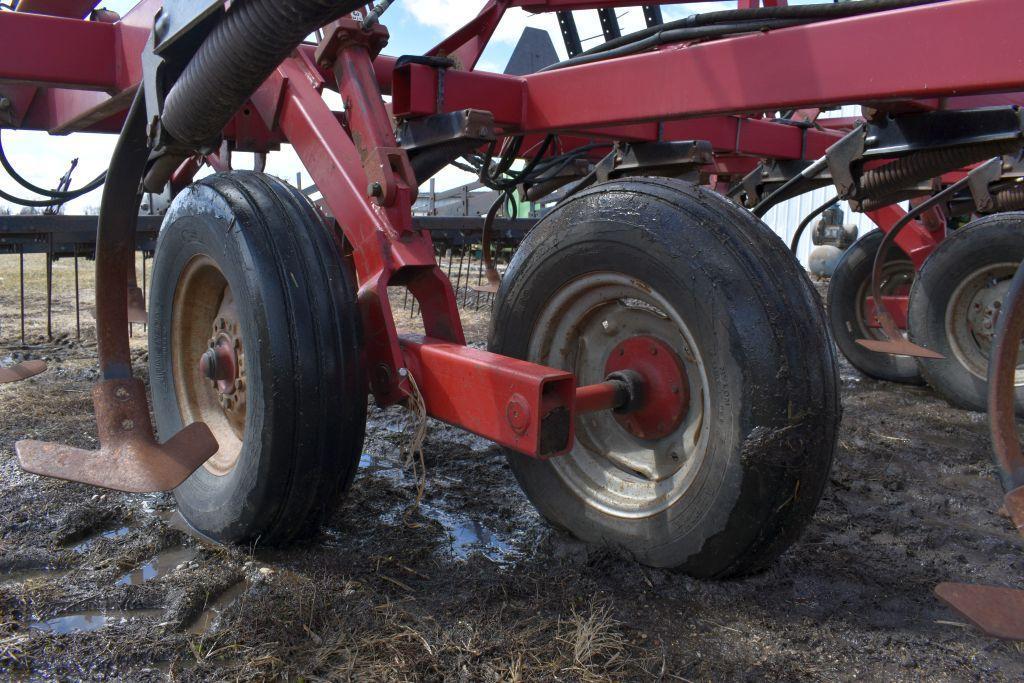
[881,186]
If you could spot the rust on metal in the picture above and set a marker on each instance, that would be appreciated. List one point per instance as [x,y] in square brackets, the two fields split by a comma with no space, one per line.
[997,611]
[896,343]
[23,370]
[1013,504]
[898,347]
[136,305]
[1002,371]
[129,458]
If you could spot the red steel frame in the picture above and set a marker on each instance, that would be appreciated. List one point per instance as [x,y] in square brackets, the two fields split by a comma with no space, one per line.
[716,90]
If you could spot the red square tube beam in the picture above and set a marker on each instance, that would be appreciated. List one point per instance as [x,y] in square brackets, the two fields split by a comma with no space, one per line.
[827,63]
[42,50]
[526,407]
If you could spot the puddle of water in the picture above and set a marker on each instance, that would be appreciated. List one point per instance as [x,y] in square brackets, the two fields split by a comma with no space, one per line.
[30,575]
[472,537]
[467,536]
[88,543]
[205,621]
[161,565]
[92,620]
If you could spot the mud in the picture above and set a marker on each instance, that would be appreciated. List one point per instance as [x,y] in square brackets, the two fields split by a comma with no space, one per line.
[473,585]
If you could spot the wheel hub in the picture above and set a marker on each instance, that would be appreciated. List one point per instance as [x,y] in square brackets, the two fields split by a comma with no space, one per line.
[983,314]
[223,365]
[664,390]
[208,359]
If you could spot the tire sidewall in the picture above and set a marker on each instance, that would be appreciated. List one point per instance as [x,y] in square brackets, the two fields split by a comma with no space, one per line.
[707,281]
[853,269]
[196,226]
[993,239]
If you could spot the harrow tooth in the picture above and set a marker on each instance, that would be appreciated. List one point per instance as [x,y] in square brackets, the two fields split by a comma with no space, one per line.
[23,370]
[899,347]
[489,288]
[997,611]
[136,306]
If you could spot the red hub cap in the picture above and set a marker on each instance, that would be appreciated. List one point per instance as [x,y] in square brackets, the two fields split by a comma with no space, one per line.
[664,396]
[220,364]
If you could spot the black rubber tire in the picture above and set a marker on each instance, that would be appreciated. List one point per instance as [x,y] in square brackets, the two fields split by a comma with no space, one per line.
[994,239]
[760,328]
[845,291]
[300,326]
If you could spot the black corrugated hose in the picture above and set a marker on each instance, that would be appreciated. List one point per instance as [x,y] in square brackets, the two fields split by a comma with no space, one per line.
[238,55]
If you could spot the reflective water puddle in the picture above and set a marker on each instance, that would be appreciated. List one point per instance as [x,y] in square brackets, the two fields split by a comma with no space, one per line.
[89,542]
[205,621]
[161,565]
[92,620]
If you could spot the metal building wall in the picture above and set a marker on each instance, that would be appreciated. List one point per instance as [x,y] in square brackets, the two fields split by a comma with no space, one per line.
[785,217]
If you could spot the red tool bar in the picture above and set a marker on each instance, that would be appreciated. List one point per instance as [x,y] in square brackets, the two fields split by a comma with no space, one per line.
[916,241]
[896,304]
[793,67]
[41,50]
[521,405]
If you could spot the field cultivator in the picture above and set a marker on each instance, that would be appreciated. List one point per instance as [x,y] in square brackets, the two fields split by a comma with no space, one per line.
[659,367]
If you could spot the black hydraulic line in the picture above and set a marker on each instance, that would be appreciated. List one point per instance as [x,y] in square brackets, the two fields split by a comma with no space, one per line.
[883,249]
[679,35]
[779,194]
[31,203]
[807,221]
[821,11]
[235,58]
[65,195]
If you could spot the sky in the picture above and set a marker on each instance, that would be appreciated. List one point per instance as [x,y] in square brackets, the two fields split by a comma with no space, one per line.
[415,26]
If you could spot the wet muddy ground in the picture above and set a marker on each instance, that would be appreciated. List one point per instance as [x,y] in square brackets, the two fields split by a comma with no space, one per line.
[473,585]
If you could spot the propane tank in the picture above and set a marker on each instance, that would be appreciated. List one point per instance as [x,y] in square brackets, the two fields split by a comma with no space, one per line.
[830,238]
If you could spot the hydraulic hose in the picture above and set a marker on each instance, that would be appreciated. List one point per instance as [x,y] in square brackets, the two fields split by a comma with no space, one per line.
[235,58]
[807,221]
[66,195]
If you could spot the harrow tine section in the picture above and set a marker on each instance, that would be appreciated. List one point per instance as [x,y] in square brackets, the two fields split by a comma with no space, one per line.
[21,280]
